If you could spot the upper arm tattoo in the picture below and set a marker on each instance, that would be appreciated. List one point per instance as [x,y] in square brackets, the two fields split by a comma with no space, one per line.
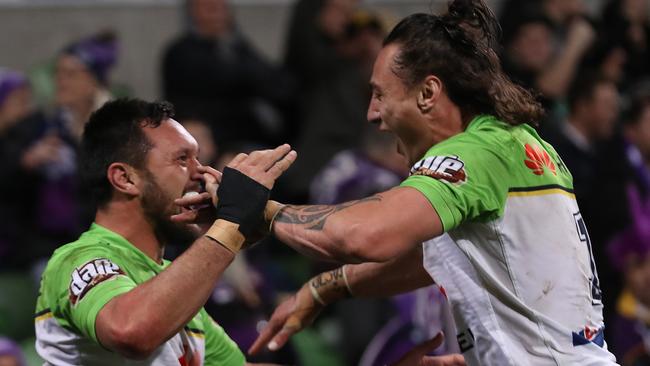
[314,217]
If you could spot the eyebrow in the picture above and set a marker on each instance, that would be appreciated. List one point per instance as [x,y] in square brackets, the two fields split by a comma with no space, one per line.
[182,150]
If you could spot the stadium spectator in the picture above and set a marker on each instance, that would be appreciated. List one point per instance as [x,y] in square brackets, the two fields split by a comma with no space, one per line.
[593,112]
[572,37]
[332,109]
[373,167]
[15,98]
[50,147]
[213,73]
[315,28]
[15,107]
[528,50]
[626,24]
[629,252]
[10,353]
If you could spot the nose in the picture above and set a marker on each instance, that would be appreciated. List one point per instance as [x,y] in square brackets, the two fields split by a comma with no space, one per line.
[194,170]
[373,114]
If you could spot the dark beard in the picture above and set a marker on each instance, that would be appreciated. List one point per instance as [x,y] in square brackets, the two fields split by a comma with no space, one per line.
[155,205]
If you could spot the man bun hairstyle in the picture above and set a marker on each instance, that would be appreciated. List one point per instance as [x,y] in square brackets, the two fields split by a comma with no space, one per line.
[114,134]
[460,48]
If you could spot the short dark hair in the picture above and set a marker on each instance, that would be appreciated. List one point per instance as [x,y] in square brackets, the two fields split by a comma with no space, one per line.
[114,134]
[460,49]
[583,87]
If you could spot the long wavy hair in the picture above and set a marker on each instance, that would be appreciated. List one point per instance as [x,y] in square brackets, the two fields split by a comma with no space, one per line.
[460,48]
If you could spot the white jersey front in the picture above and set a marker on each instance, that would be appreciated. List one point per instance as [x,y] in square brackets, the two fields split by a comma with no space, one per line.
[515,261]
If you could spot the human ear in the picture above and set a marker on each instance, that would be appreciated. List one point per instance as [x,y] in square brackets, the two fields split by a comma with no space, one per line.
[124,178]
[428,93]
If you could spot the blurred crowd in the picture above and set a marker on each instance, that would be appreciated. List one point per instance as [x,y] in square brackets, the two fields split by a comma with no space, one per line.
[591,71]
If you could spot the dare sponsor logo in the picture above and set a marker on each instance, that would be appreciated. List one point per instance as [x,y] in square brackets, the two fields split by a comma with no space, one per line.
[538,160]
[447,168]
[89,275]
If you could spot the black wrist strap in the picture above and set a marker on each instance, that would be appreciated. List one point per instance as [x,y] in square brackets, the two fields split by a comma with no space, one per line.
[241,200]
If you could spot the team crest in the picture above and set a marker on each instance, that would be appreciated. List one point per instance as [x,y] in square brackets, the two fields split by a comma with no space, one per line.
[89,275]
[446,168]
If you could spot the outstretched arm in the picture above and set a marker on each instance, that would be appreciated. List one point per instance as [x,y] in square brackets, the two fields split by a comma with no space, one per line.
[373,229]
[399,275]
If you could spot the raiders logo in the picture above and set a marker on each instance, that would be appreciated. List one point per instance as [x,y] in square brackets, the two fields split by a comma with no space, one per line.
[89,275]
[447,168]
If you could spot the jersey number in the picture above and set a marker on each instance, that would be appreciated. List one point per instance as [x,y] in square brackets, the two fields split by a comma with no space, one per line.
[596,293]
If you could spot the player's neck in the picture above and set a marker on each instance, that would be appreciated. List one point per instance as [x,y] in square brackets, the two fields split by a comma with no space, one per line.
[128,220]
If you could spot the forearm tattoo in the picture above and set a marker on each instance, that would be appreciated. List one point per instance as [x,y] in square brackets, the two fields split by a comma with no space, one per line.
[314,217]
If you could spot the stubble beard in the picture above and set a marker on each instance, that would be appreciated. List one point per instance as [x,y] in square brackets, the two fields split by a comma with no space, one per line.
[158,208]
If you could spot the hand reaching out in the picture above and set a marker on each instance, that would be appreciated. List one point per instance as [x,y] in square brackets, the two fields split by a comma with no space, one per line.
[293,314]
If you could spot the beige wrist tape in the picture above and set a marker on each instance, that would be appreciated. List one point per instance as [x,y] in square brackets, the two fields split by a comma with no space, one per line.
[227,234]
[271,211]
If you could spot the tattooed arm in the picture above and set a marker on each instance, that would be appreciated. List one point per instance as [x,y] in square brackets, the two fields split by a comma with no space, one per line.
[401,274]
[373,229]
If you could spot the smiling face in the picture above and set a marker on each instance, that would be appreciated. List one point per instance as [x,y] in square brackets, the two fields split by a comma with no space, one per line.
[420,115]
[170,172]
[394,107]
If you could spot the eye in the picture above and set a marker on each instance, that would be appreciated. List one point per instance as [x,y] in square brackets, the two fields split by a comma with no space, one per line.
[376,94]
[183,159]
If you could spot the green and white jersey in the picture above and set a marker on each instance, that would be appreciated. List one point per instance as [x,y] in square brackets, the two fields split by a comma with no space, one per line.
[515,259]
[81,277]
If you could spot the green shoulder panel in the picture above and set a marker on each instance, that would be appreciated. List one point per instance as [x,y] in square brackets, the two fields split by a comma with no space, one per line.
[468,176]
[80,278]
[219,348]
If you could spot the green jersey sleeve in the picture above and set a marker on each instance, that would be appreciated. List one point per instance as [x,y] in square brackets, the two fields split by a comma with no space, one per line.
[219,348]
[78,283]
[464,178]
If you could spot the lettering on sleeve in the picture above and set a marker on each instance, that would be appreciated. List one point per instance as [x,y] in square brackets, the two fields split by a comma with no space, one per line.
[89,275]
[446,168]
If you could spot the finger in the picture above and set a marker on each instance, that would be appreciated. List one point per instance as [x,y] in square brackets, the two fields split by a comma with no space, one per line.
[268,159]
[255,157]
[281,338]
[184,217]
[211,186]
[191,200]
[210,170]
[457,360]
[263,339]
[283,164]
[447,360]
[237,160]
